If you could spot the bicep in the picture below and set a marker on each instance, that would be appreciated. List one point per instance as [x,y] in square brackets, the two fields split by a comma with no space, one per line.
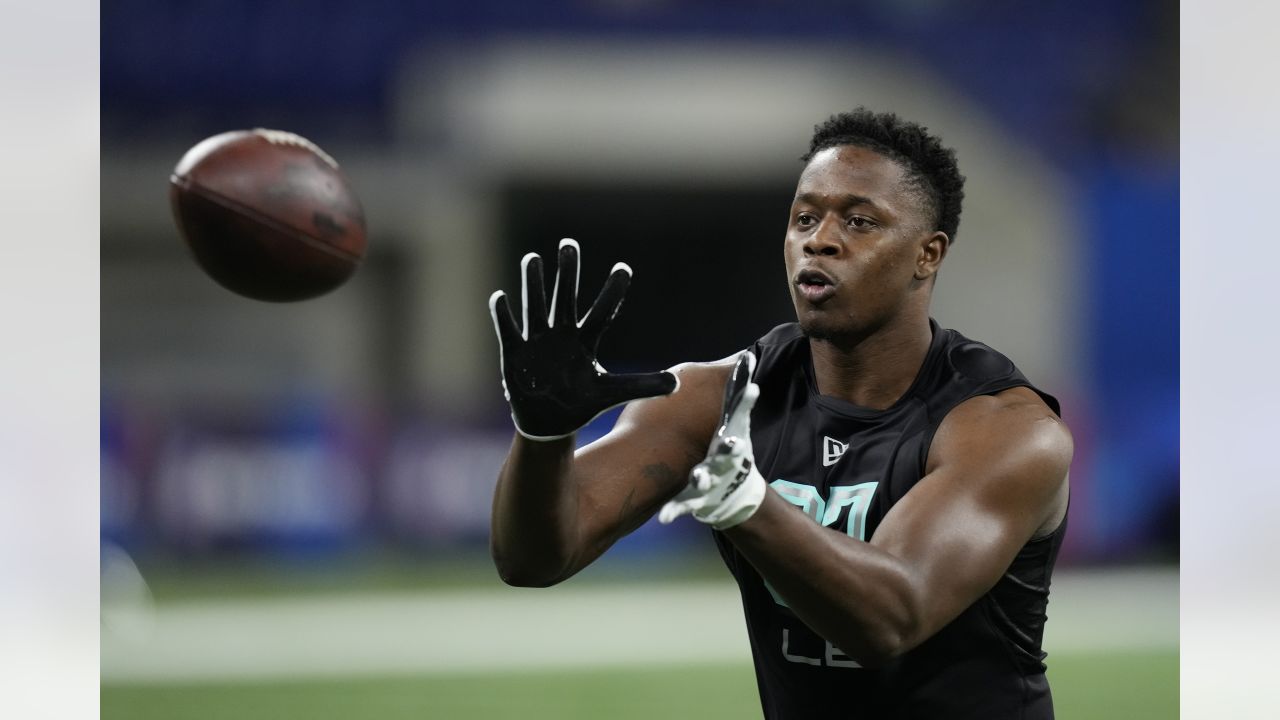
[997,477]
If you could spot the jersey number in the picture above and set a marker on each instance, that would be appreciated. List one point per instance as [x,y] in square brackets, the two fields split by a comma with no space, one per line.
[825,512]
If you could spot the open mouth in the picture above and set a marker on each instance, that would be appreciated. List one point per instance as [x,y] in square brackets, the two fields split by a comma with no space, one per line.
[815,285]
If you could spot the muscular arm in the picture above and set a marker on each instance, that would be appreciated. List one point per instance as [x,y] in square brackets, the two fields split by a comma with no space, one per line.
[996,477]
[555,511]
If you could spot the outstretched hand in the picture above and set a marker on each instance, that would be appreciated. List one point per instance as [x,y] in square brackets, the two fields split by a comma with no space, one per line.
[549,370]
[726,488]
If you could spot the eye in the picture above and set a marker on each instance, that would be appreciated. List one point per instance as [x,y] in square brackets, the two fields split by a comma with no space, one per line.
[806,220]
[861,222]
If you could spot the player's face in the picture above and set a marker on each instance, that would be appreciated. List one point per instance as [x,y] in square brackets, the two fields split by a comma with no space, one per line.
[855,240]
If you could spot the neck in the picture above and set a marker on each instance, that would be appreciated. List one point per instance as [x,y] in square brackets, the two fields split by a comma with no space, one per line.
[873,371]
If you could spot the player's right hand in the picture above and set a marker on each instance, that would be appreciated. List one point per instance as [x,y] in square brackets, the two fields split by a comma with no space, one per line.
[549,370]
[726,488]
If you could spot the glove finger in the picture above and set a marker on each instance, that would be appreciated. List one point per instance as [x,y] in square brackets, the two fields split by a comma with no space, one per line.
[534,295]
[700,478]
[736,387]
[564,298]
[606,306]
[504,323]
[739,424]
[671,511]
[676,508]
[625,387]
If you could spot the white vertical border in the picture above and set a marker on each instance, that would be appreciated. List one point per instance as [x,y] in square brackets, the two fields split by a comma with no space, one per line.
[49,206]
[1230,155]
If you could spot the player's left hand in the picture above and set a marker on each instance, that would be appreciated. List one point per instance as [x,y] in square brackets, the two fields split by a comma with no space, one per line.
[550,374]
[726,488]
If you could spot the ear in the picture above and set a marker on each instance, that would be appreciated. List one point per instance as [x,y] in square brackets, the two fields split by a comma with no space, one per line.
[933,248]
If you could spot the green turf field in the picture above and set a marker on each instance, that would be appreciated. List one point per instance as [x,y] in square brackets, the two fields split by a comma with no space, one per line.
[382,641]
[1131,685]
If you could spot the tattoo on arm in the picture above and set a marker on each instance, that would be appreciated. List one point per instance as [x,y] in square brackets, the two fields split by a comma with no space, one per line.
[661,477]
[660,473]
[627,504]
[629,518]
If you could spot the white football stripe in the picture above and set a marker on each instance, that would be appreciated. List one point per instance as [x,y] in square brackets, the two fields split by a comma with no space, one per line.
[508,629]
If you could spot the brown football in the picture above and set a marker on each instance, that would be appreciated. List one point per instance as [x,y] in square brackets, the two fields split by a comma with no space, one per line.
[268,214]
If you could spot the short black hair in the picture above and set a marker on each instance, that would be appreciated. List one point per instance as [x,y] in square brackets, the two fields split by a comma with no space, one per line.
[930,167]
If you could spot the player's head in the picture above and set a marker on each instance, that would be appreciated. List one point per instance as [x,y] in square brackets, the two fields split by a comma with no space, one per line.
[931,167]
[875,211]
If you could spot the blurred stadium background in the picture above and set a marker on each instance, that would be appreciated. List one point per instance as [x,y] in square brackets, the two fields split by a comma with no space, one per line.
[295,498]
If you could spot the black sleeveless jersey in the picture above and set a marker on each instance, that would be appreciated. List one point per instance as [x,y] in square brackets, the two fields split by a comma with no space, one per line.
[845,466]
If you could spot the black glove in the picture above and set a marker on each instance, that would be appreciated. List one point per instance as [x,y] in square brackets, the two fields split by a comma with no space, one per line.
[549,372]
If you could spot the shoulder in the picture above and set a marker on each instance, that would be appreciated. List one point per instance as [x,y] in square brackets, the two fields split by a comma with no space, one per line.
[1009,446]
[1018,418]
[974,369]
[976,360]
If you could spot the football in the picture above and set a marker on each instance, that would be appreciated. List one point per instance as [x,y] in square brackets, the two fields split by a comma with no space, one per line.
[268,214]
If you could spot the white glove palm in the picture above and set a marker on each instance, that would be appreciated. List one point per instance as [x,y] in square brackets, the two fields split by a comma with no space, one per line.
[726,488]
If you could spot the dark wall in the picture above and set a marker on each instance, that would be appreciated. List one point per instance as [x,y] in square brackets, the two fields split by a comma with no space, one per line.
[709,275]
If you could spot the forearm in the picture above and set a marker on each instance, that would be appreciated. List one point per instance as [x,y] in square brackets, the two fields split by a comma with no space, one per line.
[535,513]
[857,596]
[548,523]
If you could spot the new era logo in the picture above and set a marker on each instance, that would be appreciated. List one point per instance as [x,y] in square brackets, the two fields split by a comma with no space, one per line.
[832,449]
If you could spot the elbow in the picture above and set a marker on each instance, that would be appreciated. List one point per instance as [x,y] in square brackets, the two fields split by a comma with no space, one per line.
[873,649]
[524,576]
[521,578]
[880,648]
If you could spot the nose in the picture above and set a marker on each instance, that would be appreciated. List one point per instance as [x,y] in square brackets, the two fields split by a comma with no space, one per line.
[825,240]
